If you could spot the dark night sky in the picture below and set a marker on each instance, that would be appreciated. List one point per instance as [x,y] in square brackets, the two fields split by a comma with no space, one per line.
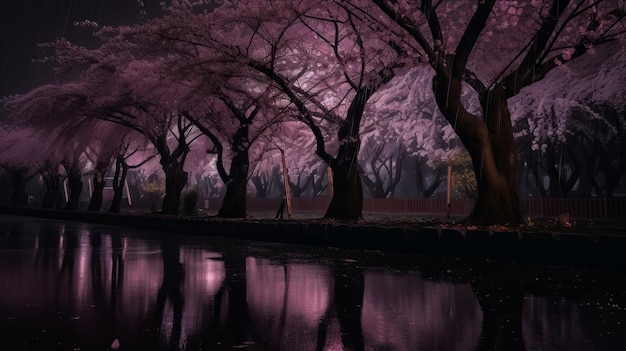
[24,23]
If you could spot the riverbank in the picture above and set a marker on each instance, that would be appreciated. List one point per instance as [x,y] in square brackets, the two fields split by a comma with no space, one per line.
[595,244]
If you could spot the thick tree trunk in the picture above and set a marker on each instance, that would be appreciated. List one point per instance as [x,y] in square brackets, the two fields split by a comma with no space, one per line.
[172,163]
[175,181]
[347,200]
[498,200]
[95,203]
[234,204]
[75,185]
[491,147]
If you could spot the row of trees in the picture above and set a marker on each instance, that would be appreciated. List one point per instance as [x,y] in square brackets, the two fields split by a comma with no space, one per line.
[328,79]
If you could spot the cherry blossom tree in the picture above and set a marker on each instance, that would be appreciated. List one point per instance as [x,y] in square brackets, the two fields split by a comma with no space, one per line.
[497,48]
[575,136]
[63,143]
[18,150]
[129,147]
[103,148]
[222,102]
[266,181]
[383,162]
[108,84]
[420,133]
[328,78]
[241,137]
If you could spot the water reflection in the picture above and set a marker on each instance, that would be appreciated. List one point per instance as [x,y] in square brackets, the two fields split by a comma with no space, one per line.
[76,286]
[288,302]
[406,311]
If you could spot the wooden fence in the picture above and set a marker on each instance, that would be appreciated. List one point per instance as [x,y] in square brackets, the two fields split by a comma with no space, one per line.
[582,208]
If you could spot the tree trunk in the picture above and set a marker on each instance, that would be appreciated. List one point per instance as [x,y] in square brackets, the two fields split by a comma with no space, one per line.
[373,187]
[173,163]
[175,181]
[53,185]
[234,204]
[95,203]
[19,196]
[299,188]
[75,184]
[261,185]
[121,170]
[347,200]
[498,200]
[491,146]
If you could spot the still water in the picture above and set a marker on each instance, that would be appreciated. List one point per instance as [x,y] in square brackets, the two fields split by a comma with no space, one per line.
[75,286]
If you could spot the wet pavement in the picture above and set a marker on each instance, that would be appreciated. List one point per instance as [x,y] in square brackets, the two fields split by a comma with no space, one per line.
[77,286]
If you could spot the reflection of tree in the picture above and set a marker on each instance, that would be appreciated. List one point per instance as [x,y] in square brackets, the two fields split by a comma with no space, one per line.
[95,241]
[348,304]
[107,309]
[70,244]
[171,290]
[287,301]
[229,326]
[106,318]
[349,286]
[235,326]
[499,289]
[48,250]
[117,267]
[501,298]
